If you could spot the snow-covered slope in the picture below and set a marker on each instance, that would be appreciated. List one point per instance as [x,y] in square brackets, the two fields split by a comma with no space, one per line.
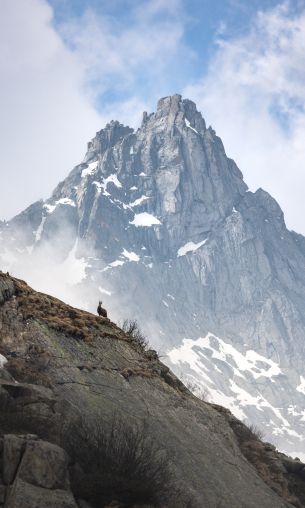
[159,223]
[244,381]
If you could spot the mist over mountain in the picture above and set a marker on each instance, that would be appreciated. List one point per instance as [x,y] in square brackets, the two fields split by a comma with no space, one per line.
[159,224]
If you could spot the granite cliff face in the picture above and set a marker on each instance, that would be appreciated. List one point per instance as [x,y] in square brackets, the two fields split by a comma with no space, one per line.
[159,223]
[67,376]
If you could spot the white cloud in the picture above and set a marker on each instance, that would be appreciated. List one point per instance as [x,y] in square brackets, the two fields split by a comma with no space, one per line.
[51,79]
[45,115]
[134,61]
[254,95]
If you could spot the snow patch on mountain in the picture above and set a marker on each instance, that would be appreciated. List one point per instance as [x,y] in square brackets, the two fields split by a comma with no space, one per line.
[212,347]
[131,256]
[113,179]
[208,359]
[301,387]
[39,230]
[114,264]
[91,169]
[190,247]
[102,186]
[144,220]
[50,207]
[139,201]
[65,201]
[187,123]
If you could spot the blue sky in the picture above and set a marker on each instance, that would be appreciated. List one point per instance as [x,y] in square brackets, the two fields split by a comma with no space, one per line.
[203,22]
[69,66]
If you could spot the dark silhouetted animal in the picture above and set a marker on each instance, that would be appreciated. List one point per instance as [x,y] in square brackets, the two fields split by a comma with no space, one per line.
[101,311]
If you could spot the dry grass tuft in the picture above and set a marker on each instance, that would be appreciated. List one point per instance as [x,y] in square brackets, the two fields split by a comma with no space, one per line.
[79,324]
[136,371]
[24,370]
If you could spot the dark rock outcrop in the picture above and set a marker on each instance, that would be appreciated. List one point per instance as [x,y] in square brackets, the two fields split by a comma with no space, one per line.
[6,289]
[34,474]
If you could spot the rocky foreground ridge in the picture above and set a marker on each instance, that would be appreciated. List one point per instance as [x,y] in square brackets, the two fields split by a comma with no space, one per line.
[90,418]
[159,223]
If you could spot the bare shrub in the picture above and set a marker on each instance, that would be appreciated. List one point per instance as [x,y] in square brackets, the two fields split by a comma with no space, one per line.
[121,462]
[256,432]
[249,432]
[132,329]
[201,392]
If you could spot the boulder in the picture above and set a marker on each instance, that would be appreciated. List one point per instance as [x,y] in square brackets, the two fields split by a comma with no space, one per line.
[44,465]
[25,495]
[12,452]
[35,474]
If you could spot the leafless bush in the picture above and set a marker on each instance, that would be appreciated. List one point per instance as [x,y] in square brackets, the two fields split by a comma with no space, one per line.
[122,462]
[201,392]
[255,432]
[247,432]
[132,329]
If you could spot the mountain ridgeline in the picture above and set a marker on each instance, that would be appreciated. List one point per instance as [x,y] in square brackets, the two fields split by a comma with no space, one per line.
[159,223]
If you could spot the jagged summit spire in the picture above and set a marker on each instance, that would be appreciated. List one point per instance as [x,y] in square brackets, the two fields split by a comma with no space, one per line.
[107,137]
[176,103]
[171,102]
[173,107]
[178,110]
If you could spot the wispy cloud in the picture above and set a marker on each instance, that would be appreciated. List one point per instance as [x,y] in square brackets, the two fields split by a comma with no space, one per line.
[45,115]
[60,84]
[129,62]
[254,94]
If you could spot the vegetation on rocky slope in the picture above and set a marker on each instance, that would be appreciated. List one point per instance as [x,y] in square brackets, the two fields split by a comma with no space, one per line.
[124,428]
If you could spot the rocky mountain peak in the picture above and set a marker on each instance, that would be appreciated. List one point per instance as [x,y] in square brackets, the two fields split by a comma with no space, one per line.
[106,138]
[160,222]
[169,103]
[179,112]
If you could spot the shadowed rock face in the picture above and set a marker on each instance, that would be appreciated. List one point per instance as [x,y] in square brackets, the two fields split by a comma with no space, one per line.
[53,380]
[34,474]
[162,226]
